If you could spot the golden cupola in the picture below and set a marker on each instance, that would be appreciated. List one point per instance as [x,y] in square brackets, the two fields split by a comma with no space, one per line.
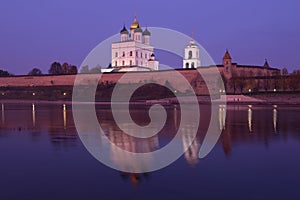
[135,24]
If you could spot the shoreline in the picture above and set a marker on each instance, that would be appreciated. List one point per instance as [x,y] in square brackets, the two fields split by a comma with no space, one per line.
[230,100]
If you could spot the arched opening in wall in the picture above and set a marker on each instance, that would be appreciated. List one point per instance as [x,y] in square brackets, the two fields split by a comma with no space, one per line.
[187,65]
[130,62]
[193,65]
[116,63]
[190,54]
[123,63]
[130,53]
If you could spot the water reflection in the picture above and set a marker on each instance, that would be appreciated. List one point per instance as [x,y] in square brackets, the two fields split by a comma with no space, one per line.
[275,118]
[222,116]
[3,114]
[33,115]
[65,116]
[191,155]
[235,122]
[250,118]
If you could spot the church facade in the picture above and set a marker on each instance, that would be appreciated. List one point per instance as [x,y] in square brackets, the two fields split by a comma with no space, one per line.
[133,52]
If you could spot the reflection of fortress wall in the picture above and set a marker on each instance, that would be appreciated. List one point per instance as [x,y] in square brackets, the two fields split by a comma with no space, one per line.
[249,123]
[161,77]
[29,116]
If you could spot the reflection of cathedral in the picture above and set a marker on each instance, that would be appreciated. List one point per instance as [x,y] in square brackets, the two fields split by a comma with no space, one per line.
[192,152]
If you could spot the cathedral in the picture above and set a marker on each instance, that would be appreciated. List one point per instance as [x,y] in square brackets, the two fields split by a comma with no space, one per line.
[133,52]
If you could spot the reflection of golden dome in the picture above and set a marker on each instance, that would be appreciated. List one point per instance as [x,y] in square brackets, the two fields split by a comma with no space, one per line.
[135,24]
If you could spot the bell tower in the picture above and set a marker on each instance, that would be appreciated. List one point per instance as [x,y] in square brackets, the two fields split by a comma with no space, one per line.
[191,56]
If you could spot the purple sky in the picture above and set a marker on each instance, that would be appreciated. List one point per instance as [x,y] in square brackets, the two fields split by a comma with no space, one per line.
[35,33]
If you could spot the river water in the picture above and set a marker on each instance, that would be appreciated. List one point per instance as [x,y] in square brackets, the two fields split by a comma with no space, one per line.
[256,156]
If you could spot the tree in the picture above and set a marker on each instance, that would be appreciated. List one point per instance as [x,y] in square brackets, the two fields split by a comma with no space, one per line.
[69,69]
[73,69]
[55,68]
[241,81]
[84,69]
[284,79]
[4,73]
[294,82]
[96,70]
[65,68]
[296,72]
[250,83]
[35,72]
[284,72]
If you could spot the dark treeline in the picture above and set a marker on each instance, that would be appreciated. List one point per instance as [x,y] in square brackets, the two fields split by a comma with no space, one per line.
[55,69]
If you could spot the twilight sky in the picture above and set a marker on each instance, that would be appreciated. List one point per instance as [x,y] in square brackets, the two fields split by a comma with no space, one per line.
[35,33]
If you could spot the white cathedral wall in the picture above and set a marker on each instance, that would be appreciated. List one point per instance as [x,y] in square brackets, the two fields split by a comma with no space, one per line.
[134,59]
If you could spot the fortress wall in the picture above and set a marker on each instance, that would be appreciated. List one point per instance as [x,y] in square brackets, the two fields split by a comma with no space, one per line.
[25,81]
[160,77]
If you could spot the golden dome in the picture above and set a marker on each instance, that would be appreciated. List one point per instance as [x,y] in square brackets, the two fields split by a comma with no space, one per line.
[135,24]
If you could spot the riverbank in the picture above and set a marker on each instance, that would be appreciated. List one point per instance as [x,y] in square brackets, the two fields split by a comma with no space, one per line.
[279,99]
[284,99]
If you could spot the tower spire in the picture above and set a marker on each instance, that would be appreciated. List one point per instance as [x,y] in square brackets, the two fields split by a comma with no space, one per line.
[227,55]
[266,63]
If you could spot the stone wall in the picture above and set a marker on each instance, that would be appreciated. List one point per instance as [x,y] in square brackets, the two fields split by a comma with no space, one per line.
[160,77]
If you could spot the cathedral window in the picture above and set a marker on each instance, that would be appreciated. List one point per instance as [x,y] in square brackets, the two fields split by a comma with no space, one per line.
[123,53]
[146,56]
[123,63]
[141,54]
[130,62]
[116,63]
[193,65]
[137,54]
[190,54]
[186,65]
[130,53]
[116,55]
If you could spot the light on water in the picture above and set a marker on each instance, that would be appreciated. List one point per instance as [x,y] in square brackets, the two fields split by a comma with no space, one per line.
[49,152]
